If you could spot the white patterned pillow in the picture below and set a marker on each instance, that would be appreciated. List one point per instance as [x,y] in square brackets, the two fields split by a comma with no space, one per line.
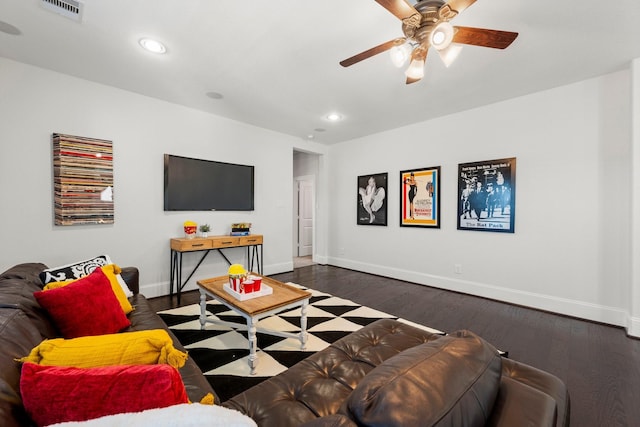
[80,269]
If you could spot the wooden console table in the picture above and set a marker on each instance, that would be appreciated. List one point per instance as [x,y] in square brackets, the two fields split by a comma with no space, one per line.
[252,242]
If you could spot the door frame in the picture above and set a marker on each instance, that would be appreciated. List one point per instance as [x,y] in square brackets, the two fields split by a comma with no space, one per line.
[296,186]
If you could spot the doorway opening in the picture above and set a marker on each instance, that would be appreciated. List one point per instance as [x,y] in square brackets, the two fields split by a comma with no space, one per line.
[305,172]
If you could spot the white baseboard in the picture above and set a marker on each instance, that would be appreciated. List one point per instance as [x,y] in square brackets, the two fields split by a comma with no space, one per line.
[633,327]
[594,312]
[283,267]
[320,259]
[152,290]
[597,313]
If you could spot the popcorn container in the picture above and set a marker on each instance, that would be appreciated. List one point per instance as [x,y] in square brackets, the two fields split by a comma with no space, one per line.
[235,282]
[190,228]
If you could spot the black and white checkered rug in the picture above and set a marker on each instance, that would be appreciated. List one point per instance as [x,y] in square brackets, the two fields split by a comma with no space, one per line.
[222,353]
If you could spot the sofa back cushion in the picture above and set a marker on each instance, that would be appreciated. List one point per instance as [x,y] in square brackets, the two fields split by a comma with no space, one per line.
[451,381]
[17,336]
[17,286]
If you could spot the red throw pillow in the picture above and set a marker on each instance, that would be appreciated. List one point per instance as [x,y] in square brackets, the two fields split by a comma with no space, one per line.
[54,394]
[85,307]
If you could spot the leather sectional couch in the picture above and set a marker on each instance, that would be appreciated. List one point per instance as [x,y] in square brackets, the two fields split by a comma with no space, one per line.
[24,324]
[387,373]
[393,374]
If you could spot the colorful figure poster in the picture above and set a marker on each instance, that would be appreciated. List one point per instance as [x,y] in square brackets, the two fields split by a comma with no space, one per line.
[420,197]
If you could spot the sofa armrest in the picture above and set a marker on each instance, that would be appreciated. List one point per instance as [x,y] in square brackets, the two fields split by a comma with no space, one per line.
[542,381]
[520,404]
[131,276]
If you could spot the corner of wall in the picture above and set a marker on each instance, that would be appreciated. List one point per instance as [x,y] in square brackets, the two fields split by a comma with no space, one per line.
[633,327]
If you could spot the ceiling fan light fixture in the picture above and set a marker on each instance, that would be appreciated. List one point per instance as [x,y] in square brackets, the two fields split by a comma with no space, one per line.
[400,54]
[416,69]
[450,53]
[442,35]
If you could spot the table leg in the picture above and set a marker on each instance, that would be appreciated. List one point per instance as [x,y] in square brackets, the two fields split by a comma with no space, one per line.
[303,324]
[203,309]
[179,275]
[253,358]
[171,276]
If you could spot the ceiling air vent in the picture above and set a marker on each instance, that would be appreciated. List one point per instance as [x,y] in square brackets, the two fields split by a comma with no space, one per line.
[70,8]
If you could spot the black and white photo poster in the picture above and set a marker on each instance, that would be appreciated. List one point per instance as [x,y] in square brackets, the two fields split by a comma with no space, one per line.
[372,199]
[486,195]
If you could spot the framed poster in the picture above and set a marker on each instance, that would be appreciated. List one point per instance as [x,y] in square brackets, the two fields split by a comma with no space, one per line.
[420,197]
[372,199]
[487,195]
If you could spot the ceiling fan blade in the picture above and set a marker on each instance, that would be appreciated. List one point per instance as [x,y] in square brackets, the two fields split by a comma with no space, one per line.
[483,37]
[460,5]
[400,8]
[373,51]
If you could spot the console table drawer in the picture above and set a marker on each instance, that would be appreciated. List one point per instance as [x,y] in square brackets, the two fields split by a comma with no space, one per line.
[185,245]
[251,240]
[226,242]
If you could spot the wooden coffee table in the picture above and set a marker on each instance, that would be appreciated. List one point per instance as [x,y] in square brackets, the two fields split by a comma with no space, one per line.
[284,297]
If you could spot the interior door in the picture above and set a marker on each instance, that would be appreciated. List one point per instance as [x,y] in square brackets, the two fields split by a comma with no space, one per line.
[305,218]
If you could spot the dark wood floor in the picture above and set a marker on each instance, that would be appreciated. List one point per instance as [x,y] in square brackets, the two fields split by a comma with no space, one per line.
[599,363]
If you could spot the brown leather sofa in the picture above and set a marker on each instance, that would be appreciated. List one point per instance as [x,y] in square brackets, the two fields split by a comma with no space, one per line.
[386,374]
[24,324]
[392,374]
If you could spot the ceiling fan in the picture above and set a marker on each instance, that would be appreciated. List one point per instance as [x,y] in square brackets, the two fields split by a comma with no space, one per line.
[427,25]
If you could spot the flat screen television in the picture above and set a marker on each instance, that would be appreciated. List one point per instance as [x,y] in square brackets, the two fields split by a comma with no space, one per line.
[205,185]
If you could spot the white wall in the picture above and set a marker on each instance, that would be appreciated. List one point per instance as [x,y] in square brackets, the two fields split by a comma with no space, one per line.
[570,250]
[633,324]
[34,103]
[305,164]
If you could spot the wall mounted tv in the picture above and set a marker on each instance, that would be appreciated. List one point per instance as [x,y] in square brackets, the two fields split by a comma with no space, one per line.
[205,185]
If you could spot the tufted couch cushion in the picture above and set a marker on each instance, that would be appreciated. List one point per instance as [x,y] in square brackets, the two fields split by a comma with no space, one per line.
[318,385]
[448,382]
[322,390]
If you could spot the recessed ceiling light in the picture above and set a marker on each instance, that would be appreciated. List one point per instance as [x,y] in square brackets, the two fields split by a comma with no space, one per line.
[334,117]
[7,28]
[310,136]
[152,45]
[214,95]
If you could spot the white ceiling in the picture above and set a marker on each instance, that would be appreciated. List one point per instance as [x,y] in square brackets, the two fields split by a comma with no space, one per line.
[276,62]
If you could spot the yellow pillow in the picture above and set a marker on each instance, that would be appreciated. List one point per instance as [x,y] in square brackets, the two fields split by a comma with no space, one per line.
[111,271]
[148,347]
[56,285]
